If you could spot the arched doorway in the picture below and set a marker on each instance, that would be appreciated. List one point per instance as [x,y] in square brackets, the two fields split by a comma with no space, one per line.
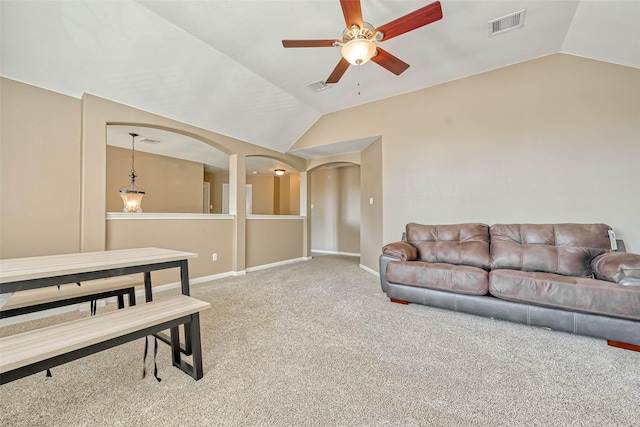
[335,209]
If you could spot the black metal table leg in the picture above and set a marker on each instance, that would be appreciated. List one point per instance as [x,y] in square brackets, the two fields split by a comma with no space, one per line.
[184,280]
[147,286]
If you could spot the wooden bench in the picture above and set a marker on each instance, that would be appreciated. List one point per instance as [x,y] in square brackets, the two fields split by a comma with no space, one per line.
[34,351]
[33,300]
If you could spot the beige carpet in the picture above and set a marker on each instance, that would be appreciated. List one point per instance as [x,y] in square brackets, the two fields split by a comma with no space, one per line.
[317,343]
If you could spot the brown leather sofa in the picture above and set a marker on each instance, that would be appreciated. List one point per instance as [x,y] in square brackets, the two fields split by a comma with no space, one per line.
[558,276]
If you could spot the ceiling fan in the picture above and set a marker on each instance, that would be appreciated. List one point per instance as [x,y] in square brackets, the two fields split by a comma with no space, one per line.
[358,39]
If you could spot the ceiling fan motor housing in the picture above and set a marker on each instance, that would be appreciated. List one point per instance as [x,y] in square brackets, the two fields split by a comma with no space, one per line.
[358,44]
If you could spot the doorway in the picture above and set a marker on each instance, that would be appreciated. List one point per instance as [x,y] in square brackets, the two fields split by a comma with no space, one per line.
[335,209]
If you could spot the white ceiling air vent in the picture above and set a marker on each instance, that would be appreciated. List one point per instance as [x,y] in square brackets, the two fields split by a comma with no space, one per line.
[149,141]
[506,23]
[318,86]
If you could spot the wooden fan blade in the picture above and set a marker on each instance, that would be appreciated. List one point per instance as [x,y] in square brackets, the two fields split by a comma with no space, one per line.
[352,12]
[337,73]
[308,43]
[390,62]
[416,19]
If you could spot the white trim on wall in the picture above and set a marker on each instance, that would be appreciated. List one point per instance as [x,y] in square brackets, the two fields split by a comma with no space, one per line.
[369,270]
[320,251]
[127,216]
[255,216]
[275,264]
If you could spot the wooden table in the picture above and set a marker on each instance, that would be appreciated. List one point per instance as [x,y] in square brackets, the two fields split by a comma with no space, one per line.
[18,274]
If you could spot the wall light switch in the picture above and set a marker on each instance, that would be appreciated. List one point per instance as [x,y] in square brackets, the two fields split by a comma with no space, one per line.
[612,240]
[370,200]
[214,257]
[311,205]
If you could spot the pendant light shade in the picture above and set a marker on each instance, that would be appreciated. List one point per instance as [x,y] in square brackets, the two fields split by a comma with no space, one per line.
[132,194]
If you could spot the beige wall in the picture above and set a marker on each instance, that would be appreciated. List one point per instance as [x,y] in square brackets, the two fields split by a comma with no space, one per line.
[294,194]
[219,179]
[263,193]
[335,217]
[39,171]
[371,214]
[283,200]
[171,185]
[273,240]
[287,201]
[550,140]
[63,145]
[202,236]
[211,179]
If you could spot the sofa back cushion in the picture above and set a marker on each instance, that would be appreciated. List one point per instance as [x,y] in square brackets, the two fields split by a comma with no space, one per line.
[459,244]
[565,249]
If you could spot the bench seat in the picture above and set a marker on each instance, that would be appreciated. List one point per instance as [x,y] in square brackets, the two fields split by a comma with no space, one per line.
[33,300]
[34,351]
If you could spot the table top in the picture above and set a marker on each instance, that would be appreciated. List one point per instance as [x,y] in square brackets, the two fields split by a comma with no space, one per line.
[19,269]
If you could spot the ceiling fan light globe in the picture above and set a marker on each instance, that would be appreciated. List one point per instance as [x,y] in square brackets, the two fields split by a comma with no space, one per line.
[358,51]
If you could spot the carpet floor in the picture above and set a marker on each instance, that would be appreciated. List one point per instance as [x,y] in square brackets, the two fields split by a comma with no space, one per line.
[317,343]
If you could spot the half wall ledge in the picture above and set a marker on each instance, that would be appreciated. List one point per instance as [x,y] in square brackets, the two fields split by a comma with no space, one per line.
[143,215]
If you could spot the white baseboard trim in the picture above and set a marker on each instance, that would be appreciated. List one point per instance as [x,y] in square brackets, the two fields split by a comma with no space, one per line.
[196,281]
[369,270]
[335,252]
[239,273]
[275,264]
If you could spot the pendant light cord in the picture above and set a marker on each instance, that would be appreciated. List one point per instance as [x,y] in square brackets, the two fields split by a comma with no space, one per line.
[133,153]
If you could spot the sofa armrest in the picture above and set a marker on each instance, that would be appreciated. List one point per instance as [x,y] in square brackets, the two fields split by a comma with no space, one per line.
[402,250]
[619,267]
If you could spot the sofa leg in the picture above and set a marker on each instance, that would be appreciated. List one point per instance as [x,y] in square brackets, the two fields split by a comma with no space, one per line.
[624,345]
[399,301]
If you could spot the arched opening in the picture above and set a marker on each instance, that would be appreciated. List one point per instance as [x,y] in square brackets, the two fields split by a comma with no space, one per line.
[176,171]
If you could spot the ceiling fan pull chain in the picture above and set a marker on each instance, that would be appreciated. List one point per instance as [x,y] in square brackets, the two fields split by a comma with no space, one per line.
[358,79]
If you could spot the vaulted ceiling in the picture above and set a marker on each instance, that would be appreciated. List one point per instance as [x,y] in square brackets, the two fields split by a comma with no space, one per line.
[220,64]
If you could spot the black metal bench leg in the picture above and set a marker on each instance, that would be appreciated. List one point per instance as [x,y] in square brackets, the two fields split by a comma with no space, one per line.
[175,347]
[196,345]
[120,301]
[195,369]
[132,296]
[188,345]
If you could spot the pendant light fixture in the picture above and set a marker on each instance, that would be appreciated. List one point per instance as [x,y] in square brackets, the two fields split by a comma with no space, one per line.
[132,195]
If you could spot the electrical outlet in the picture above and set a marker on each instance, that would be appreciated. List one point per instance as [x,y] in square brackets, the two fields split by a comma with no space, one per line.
[214,257]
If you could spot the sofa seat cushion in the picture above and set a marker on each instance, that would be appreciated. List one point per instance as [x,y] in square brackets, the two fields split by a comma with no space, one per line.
[462,279]
[566,292]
